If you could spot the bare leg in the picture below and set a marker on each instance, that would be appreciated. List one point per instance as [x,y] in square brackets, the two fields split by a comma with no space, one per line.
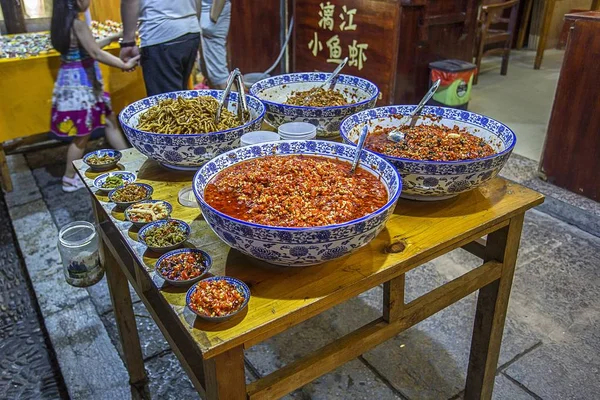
[75,152]
[113,134]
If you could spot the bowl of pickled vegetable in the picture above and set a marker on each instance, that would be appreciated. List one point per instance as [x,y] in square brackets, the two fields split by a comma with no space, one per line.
[127,195]
[101,160]
[112,180]
[217,298]
[146,211]
[444,153]
[183,267]
[297,98]
[164,235]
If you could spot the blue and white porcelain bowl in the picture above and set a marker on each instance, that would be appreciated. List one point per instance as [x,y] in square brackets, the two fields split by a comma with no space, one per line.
[167,205]
[125,204]
[238,284]
[127,177]
[184,282]
[273,92]
[187,152]
[438,180]
[298,247]
[185,229]
[115,154]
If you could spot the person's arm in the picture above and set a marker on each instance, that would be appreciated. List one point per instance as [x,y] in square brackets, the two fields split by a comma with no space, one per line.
[102,43]
[130,12]
[216,9]
[86,39]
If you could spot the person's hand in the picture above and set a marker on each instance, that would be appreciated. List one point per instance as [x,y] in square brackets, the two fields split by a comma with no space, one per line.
[131,63]
[127,53]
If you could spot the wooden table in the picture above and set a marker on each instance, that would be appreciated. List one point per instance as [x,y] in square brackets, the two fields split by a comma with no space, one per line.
[212,354]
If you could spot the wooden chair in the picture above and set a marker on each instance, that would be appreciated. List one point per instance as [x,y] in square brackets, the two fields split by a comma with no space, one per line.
[490,16]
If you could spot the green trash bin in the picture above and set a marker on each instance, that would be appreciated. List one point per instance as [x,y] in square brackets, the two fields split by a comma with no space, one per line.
[457,80]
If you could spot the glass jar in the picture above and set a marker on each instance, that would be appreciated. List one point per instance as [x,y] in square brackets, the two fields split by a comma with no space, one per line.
[78,246]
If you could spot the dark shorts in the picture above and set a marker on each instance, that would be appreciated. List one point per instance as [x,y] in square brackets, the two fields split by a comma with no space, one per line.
[167,66]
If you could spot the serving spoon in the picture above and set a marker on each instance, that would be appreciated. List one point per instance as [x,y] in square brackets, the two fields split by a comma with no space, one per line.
[397,135]
[359,148]
[329,80]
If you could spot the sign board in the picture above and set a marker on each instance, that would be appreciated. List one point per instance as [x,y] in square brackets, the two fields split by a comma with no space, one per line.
[365,31]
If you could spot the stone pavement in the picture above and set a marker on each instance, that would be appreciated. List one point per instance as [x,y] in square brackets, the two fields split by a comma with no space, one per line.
[549,349]
[28,368]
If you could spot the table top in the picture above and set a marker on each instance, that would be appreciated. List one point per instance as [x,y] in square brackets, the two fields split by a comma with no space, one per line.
[282,297]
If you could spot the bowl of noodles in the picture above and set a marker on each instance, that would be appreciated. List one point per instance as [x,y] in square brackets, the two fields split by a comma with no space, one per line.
[297,98]
[445,153]
[177,129]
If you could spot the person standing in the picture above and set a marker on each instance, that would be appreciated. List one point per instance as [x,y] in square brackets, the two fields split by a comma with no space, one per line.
[80,106]
[215,19]
[169,33]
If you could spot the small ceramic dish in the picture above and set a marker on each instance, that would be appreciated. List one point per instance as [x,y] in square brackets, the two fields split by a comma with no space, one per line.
[127,177]
[206,261]
[125,204]
[184,227]
[114,154]
[240,286]
[140,224]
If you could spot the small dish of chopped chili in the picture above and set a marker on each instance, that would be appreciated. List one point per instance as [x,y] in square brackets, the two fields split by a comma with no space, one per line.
[184,266]
[218,298]
[295,191]
[129,194]
[429,143]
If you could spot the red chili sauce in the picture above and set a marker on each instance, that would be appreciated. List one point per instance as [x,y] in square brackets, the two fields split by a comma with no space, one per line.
[429,142]
[216,298]
[295,191]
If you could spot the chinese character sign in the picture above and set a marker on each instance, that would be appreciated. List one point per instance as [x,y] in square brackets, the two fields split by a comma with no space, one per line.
[336,50]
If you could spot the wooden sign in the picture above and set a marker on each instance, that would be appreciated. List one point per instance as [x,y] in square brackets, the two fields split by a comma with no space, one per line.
[365,31]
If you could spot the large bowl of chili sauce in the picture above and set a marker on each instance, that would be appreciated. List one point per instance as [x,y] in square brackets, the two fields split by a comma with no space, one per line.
[274,91]
[437,180]
[297,246]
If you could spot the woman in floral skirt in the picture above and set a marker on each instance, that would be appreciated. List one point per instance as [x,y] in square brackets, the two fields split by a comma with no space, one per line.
[79,104]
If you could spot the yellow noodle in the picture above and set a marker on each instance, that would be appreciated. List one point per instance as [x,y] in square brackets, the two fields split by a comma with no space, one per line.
[186,116]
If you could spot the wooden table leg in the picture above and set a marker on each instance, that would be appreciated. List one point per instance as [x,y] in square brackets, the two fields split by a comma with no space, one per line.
[524,21]
[4,172]
[546,21]
[492,304]
[120,297]
[595,5]
[393,299]
[224,376]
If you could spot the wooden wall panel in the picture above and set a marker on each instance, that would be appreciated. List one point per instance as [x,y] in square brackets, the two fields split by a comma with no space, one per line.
[254,36]
[101,10]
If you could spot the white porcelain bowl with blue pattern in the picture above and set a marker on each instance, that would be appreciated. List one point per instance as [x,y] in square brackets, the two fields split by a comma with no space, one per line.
[274,91]
[189,151]
[298,247]
[438,180]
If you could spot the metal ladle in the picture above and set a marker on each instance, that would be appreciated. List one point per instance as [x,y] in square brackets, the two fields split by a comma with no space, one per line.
[329,80]
[396,135]
[243,112]
[359,148]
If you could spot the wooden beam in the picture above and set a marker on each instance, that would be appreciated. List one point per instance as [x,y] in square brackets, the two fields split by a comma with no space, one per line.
[476,247]
[546,21]
[13,16]
[490,316]
[229,365]
[310,367]
[4,171]
[393,299]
